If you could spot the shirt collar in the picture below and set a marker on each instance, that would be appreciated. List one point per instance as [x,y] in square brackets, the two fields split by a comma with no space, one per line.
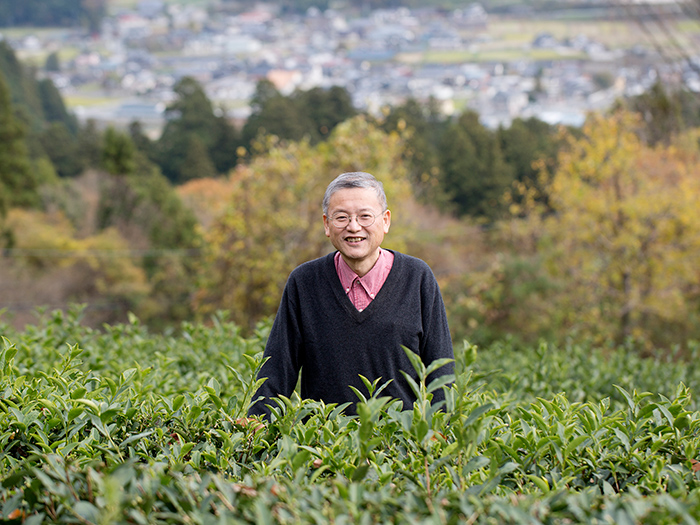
[373,280]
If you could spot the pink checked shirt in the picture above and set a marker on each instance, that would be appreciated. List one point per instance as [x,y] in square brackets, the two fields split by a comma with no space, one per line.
[361,290]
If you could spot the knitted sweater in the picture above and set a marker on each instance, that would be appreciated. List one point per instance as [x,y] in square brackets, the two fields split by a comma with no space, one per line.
[318,330]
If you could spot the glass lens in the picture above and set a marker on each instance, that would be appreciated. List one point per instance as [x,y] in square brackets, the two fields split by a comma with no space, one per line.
[365,220]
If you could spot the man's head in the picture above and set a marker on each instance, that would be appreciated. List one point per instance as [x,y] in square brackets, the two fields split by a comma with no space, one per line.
[355,218]
[354,179]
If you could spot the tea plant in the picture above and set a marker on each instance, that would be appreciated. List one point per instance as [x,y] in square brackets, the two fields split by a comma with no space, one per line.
[124,426]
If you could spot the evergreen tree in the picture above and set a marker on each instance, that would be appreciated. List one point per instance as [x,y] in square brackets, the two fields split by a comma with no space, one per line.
[24,91]
[424,126]
[665,112]
[18,185]
[52,63]
[141,141]
[197,163]
[61,147]
[473,172]
[265,91]
[325,108]
[191,115]
[54,108]
[279,116]
[528,146]
[223,152]
[118,153]
[89,145]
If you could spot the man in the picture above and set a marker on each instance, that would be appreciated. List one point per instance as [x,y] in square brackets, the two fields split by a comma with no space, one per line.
[349,313]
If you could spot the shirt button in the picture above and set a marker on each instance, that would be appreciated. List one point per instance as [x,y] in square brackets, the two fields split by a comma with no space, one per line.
[360,309]
[371,295]
[347,290]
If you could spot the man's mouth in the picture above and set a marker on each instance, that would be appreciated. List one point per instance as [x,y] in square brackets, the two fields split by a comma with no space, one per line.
[354,239]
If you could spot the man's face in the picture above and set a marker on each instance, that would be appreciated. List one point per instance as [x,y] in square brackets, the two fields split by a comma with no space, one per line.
[358,245]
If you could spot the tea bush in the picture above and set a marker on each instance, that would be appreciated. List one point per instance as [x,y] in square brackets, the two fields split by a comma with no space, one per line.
[124,426]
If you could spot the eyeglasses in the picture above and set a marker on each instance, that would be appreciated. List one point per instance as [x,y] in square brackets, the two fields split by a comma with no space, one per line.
[364,219]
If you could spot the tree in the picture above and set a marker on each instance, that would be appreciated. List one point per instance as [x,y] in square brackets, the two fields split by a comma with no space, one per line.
[279,116]
[624,236]
[89,145]
[148,214]
[273,220]
[661,112]
[191,115]
[527,146]
[52,64]
[18,184]
[423,127]
[118,153]
[224,150]
[53,106]
[325,108]
[196,163]
[473,172]
[60,146]
[666,112]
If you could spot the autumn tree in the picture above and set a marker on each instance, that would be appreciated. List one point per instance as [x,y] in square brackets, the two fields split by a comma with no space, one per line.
[273,220]
[623,240]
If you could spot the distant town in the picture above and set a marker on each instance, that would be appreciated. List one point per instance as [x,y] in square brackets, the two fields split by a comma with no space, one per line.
[132,65]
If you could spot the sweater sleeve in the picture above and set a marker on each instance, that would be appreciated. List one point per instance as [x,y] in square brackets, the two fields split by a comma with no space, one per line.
[281,370]
[436,342]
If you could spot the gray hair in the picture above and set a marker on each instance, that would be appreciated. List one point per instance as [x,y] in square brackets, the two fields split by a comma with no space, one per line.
[354,179]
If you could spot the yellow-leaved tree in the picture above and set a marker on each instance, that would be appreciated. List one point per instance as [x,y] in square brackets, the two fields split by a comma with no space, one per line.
[51,265]
[621,236]
[273,218]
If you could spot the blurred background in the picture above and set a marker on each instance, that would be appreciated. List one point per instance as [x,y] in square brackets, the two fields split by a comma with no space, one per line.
[167,159]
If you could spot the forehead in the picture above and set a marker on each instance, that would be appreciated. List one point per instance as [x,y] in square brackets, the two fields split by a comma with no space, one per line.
[351,199]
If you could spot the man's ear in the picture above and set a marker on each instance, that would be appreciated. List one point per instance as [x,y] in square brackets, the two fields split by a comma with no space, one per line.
[386,218]
[326,226]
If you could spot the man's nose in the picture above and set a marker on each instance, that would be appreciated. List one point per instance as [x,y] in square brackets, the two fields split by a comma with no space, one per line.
[353,224]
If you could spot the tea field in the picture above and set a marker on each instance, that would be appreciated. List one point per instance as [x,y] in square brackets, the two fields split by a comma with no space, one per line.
[122,425]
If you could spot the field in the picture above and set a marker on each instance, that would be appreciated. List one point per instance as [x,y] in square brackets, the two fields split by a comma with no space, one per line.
[125,426]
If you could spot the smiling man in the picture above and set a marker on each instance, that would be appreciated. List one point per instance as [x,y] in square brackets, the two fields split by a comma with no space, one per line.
[350,313]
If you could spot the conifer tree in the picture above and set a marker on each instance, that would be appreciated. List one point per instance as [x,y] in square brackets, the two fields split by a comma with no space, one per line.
[17,184]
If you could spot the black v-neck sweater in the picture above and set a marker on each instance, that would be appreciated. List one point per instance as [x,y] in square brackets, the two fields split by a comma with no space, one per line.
[318,330]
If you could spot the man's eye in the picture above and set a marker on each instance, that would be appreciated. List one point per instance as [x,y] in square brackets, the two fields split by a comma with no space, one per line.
[341,218]
[365,217]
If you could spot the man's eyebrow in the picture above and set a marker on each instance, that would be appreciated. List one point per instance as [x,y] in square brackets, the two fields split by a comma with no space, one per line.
[361,210]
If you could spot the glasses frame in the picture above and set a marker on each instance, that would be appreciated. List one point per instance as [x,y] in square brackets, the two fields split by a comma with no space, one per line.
[333,220]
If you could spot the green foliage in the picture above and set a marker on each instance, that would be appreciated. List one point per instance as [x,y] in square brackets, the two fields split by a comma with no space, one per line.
[118,153]
[59,144]
[144,207]
[665,112]
[473,172]
[527,146]
[423,126]
[194,141]
[53,63]
[310,115]
[18,183]
[124,426]
[53,106]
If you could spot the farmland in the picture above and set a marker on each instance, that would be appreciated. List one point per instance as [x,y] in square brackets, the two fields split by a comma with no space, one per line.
[121,425]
